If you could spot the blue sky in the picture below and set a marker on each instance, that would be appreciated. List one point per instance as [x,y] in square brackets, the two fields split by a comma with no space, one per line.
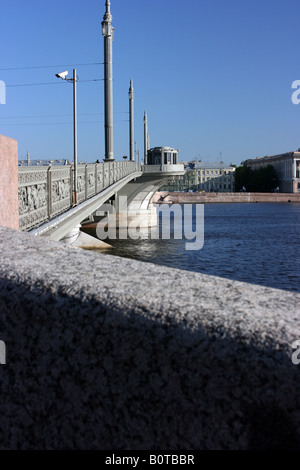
[214,76]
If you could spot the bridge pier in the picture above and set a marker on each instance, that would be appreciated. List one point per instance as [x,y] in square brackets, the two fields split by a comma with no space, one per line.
[78,239]
[132,205]
[72,235]
[133,201]
[143,218]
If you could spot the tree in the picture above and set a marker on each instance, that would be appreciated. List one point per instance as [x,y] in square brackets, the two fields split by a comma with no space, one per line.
[262,180]
[270,178]
[242,177]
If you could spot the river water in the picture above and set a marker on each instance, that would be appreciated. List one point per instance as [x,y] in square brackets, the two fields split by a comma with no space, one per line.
[256,243]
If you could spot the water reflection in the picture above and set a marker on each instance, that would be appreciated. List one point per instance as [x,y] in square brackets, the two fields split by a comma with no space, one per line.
[256,243]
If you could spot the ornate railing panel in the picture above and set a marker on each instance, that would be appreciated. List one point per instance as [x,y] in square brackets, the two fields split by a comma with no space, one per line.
[45,192]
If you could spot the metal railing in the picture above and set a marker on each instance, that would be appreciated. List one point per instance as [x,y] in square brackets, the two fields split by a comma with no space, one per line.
[45,192]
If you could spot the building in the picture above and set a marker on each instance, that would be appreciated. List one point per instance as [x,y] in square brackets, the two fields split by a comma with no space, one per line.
[162,156]
[287,166]
[27,162]
[204,176]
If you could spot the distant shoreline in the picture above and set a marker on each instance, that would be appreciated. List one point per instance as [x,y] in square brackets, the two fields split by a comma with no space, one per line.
[165,197]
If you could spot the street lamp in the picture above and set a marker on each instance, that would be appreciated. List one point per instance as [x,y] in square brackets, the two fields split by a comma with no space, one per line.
[63,76]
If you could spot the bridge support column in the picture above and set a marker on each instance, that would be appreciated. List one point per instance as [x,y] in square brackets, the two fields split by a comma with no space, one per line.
[79,239]
[72,235]
[137,217]
[133,212]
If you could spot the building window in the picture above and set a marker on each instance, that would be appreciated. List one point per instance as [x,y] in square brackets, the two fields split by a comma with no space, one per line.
[165,158]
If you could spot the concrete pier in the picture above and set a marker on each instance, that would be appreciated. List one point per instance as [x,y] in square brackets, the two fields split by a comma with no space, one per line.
[115,354]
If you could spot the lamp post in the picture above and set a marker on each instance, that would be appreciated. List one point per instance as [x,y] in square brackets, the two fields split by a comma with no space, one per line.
[63,76]
[145,139]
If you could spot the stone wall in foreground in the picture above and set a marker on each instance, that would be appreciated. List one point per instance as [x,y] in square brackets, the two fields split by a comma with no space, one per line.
[116,354]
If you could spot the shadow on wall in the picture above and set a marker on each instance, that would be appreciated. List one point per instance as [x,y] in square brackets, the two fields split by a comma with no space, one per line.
[81,375]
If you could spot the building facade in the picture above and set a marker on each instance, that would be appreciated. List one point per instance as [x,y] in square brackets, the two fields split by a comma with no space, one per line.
[287,166]
[204,176]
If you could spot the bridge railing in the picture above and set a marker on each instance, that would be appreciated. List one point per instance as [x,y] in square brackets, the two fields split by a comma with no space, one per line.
[47,191]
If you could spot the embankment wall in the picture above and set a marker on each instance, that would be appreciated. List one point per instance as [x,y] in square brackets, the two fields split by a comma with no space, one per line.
[164,197]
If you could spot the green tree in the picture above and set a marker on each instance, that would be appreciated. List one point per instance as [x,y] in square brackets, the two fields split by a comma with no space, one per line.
[242,177]
[270,179]
[262,180]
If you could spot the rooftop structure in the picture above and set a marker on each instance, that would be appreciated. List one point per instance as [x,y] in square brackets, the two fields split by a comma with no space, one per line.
[162,156]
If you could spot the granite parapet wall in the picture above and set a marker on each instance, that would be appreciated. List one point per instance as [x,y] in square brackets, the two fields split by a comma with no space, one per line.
[116,354]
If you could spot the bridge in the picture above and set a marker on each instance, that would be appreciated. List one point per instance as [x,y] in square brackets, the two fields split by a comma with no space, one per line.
[55,200]
[181,362]
[45,194]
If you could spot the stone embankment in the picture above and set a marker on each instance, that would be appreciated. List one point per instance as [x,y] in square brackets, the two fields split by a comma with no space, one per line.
[110,353]
[164,197]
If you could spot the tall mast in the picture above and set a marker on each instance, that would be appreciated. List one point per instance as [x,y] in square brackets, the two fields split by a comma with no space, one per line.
[108,33]
[131,123]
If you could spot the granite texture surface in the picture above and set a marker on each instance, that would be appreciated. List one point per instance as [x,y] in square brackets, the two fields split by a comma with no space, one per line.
[9,204]
[115,354]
